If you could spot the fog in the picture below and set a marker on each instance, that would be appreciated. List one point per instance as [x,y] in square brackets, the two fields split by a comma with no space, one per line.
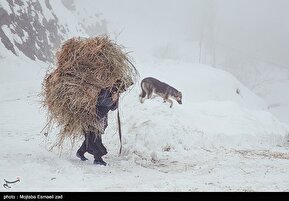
[224,137]
[222,29]
[145,26]
[254,28]
[151,18]
[248,38]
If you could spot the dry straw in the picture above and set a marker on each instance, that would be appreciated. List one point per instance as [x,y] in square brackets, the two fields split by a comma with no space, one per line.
[84,67]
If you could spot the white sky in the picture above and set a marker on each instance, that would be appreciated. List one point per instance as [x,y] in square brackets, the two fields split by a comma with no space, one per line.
[258,27]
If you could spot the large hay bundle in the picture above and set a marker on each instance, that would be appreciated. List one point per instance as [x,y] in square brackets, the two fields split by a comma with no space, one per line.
[84,67]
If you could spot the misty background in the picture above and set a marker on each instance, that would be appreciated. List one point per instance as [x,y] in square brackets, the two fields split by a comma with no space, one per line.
[227,57]
[248,38]
[252,29]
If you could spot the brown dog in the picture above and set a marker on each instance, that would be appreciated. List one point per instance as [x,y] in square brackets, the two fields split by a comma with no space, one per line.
[152,86]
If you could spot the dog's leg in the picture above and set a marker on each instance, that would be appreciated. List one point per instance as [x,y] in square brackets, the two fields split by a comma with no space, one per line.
[171,102]
[142,96]
[150,94]
[141,99]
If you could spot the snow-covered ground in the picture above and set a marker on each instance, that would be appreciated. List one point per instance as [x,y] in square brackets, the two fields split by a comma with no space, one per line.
[218,140]
[268,81]
[222,138]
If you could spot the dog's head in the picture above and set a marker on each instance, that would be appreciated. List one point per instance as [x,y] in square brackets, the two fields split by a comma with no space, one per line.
[179,97]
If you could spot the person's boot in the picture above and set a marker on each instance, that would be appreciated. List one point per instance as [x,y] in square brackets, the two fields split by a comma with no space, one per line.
[81,156]
[99,161]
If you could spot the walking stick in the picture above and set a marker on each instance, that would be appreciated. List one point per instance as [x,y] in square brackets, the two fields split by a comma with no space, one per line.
[119,131]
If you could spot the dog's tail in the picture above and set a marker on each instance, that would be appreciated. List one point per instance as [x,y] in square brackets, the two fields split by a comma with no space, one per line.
[141,85]
[143,92]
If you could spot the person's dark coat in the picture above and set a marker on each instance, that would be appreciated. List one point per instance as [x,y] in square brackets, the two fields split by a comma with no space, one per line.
[105,103]
[93,143]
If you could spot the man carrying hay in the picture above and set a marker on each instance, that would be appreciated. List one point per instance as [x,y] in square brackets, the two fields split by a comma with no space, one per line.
[107,101]
[89,76]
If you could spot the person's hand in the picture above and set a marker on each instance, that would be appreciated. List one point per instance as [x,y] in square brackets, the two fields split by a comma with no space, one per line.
[115,96]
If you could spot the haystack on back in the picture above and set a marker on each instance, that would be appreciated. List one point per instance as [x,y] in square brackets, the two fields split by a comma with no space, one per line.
[84,67]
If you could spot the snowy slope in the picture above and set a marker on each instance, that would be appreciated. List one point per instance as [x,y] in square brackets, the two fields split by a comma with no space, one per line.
[269,82]
[217,140]
[210,143]
[213,115]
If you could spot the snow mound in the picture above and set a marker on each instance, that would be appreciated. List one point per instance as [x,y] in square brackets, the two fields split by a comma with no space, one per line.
[212,116]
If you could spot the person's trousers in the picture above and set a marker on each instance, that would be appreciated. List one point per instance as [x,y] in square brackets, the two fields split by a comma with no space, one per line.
[93,145]
[93,142]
